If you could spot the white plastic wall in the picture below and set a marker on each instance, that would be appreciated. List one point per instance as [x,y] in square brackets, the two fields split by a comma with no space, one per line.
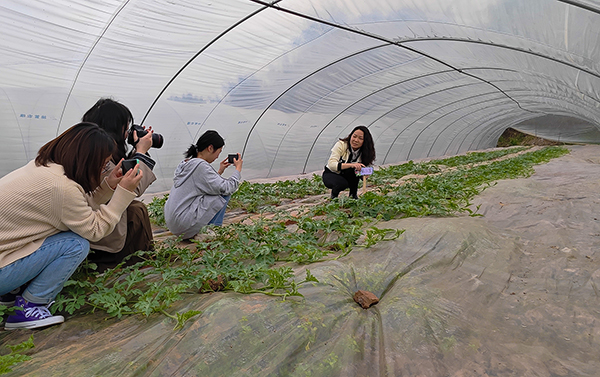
[282,80]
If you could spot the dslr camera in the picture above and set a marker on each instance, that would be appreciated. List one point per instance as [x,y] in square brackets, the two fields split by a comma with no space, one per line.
[157,139]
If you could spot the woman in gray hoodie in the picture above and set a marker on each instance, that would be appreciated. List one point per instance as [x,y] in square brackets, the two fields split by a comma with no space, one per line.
[200,194]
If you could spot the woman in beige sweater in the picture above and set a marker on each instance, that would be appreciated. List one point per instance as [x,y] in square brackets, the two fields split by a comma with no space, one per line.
[46,222]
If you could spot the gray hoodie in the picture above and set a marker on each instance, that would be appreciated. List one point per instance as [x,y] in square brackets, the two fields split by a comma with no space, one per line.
[196,196]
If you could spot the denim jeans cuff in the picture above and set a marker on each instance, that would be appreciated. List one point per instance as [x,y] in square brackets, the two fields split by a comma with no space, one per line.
[36,300]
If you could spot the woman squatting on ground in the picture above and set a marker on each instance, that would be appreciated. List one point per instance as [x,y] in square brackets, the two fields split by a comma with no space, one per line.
[46,222]
[348,156]
[200,194]
[134,231]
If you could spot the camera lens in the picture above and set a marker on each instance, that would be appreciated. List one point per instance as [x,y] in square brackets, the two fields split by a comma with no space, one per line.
[157,139]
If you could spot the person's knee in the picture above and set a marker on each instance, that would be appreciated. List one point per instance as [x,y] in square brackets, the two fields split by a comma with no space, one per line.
[341,184]
[81,247]
[137,210]
[142,210]
[68,244]
[85,248]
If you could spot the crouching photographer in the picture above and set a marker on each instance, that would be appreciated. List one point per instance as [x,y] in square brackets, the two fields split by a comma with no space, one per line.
[133,232]
[200,193]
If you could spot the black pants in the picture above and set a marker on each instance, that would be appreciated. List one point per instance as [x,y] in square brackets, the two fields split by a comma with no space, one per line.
[347,179]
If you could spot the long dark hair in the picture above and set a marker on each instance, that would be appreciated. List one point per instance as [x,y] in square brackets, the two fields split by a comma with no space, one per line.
[367,151]
[114,118]
[208,138]
[81,151]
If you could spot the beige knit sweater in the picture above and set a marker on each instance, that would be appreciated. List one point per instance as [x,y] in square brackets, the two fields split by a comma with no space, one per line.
[114,242]
[37,202]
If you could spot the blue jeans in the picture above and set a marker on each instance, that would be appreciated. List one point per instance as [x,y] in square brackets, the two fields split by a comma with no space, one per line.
[48,267]
[218,218]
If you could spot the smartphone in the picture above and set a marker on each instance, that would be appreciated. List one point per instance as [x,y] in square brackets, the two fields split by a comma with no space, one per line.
[232,157]
[127,165]
[366,171]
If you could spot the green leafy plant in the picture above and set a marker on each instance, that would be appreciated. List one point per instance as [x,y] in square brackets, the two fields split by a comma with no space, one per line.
[247,257]
[16,355]
[181,318]
[153,285]
[376,235]
[258,254]
[156,210]
[476,157]
[254,196]
[7,310]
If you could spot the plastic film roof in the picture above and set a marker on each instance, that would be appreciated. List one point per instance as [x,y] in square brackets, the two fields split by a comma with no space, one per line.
[283,80]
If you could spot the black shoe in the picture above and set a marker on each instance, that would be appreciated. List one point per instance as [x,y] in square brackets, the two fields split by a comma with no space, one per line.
[8,299]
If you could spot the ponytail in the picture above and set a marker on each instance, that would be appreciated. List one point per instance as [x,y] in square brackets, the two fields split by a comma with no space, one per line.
[192,152]
[207,139]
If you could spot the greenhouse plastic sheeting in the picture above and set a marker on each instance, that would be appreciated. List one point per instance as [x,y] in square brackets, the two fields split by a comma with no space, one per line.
[513,293]
[283,80]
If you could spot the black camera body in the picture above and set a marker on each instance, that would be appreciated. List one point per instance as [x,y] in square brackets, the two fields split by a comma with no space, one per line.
[157,139]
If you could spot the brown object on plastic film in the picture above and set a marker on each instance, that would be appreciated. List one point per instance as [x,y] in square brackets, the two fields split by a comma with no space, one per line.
[365,299]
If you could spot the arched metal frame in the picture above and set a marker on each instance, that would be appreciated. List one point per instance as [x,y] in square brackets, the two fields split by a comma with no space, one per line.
[87,56]
[428,57]
[579,5]
[386,41]
[539,95]
[402,45]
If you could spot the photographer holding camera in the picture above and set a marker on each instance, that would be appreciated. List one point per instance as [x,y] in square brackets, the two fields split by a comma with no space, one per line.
[348,157]
[200,194]
[133,232]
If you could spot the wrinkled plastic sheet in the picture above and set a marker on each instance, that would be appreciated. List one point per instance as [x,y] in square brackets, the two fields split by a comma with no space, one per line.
[512,293]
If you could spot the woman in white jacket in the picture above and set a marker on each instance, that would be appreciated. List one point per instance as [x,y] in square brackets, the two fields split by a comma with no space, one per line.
[200,194]
[348,156]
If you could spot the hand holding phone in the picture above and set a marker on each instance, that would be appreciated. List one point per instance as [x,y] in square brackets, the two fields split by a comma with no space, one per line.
[129,164]
[232,157]
[132,177]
